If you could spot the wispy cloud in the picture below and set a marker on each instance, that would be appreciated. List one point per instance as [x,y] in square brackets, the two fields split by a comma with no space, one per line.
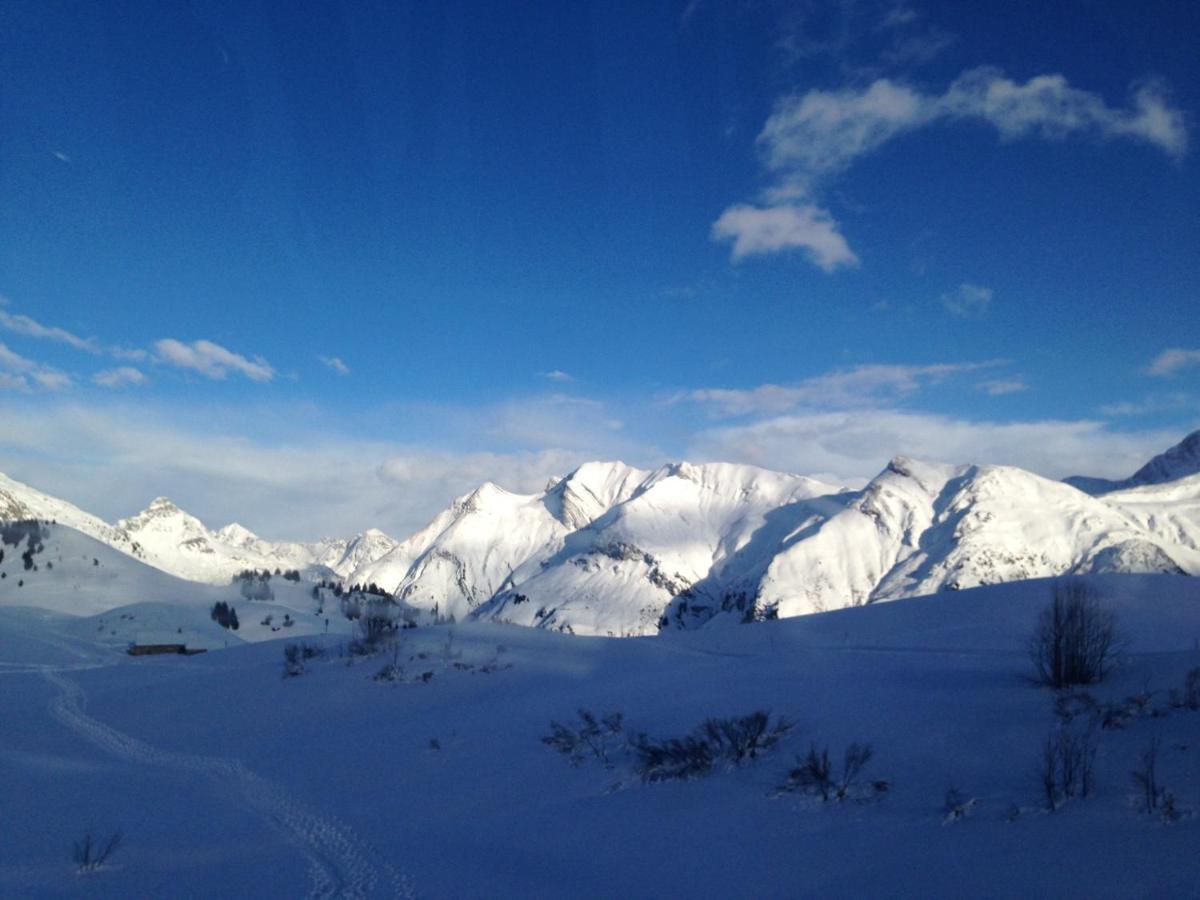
[1173,359]
[122,376]
[28,327]
[1153,403]
[211,360]
[336,363]
[1000,387]
[854,387]
[813,137]
[968,300]
[557,375]
[18,373]
[844,445]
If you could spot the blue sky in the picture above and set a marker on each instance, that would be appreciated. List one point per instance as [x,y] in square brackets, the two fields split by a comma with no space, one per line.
[321,266]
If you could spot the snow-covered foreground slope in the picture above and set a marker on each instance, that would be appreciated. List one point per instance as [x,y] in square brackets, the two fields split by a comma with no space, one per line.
[228,780]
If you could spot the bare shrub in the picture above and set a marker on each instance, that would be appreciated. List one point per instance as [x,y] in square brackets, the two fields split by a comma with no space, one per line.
[734,741]
[1068,762]
[673,759]
[956,806]
[1189,696]
[744,737]
[1075,641]
[90,852]
[296,657]
[1145,776]
[393,671]
[376,624]
[593,736]
[815,775]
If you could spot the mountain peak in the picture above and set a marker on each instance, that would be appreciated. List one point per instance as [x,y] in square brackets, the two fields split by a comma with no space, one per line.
[1172,464]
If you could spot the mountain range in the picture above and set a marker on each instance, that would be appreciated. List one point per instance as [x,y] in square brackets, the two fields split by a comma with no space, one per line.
[167,538]
[612,549]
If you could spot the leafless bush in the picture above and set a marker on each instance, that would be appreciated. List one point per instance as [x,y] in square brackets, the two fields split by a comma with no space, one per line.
[814,774]
[593,736]
[956,806]
[90,853]
[733,740]
[1145,776]
[376,624]
[1075,640]
[673,759]
[296,657]
[1189,696]
[1068,762]
[744,737]
[393,671]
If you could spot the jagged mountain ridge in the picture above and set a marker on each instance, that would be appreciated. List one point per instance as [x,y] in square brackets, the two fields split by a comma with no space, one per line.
[169,539]
[1175,463]
[612,549]
[686,544]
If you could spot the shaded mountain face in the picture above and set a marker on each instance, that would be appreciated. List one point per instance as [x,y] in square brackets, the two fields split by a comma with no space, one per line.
[1178,462]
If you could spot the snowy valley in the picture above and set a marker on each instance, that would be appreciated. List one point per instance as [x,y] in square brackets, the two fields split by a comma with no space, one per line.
[449,752]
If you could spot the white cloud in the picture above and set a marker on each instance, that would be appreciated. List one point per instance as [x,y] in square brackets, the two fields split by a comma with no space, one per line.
[820,133]
[759,230]
[211,360]
[853,387]
[300,486]
[24,325]
[1173,359]
[1000,387]
[336,363]
[968,300]
[18,373]
[122,376]
[849,446]
[557,375]
[812,137]
[1047,106]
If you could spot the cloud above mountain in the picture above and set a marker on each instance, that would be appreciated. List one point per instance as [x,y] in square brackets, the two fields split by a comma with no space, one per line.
[812,137]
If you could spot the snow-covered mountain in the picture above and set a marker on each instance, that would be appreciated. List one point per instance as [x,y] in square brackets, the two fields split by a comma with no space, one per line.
[612,549]
[168,538]
[615,550]
[1178,462]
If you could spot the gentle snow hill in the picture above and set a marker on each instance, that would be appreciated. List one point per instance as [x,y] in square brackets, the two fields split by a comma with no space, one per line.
[116,599]
[19,502]
[1179,461]
[335,783]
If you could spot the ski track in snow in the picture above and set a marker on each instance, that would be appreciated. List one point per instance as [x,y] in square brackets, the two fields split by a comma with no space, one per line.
[339,863]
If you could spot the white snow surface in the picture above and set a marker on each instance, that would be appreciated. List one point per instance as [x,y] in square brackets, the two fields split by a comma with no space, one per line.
[227,780]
